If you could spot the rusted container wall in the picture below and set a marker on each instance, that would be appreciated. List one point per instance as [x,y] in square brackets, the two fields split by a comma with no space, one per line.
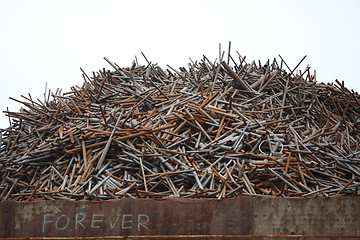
[141,217]
[307,216]
[126,217]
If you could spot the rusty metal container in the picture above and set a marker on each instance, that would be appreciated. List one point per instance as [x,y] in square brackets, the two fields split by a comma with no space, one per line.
[238,218]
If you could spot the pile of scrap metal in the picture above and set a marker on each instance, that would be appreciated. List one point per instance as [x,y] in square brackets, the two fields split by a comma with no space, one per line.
[212,130]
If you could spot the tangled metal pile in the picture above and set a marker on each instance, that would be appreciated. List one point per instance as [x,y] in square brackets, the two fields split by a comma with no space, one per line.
[217,130]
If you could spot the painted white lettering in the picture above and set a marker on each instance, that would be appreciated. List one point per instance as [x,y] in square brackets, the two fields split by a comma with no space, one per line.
[142,220]
[112,225]
[94,220]
[78,220]
[126,223]
[46,220]
[59,221]
[82,220]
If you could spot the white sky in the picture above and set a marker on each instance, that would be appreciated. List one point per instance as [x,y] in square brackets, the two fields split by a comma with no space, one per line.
[48,41]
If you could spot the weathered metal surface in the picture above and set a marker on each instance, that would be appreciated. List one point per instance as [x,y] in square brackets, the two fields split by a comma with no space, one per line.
[180,217]
[7,217]
[128,217]
[307,216]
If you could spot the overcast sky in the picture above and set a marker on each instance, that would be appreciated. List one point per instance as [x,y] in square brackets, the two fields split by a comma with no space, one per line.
[45,41]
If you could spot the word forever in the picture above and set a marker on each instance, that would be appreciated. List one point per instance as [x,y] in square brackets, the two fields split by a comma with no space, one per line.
[81,221]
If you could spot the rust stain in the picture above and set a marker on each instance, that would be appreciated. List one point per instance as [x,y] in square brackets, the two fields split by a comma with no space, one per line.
[28,211]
